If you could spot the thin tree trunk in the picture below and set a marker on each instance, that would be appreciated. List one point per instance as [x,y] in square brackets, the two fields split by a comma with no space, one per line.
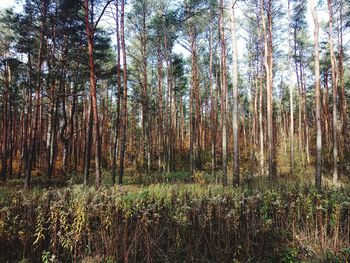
[291,135]
[124,121]
[261,127]
[88,140]
[223,93]
[305,115]
[195,132]
[51,138]
[268,67]
[235,96]
[212,106]
[160,108]
[343,100]
[5,123]
[318,177]
[335,91]
[119,92]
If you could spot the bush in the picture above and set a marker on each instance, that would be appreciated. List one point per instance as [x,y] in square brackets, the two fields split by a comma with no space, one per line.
[199,177]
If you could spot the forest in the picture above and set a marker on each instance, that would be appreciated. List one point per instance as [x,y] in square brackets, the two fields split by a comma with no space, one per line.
[174,131]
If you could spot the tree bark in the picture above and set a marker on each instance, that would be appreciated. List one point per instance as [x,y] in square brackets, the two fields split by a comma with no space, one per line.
[335,91]
[343,100]
[119,92]
[90,38]
[223,93]
[235,96]
[291,132]
[124,116]
[160,107]
[5,123]
[88,140]
[212,105]
[318,176]
[268,61]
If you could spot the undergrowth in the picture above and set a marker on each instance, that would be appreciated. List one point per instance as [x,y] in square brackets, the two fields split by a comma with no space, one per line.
[265,222]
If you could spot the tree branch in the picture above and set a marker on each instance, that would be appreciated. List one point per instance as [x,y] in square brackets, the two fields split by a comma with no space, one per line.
[99,18]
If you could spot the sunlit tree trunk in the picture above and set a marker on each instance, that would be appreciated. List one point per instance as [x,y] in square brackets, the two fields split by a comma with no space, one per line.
[223,93]
[267,30]
[90,39]
[212,105]
[335,91]
[160,107]
[317,97]
[235,96]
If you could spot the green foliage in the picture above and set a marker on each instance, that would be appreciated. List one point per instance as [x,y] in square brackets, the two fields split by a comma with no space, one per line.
[46,257]
[179,176]
[290,255]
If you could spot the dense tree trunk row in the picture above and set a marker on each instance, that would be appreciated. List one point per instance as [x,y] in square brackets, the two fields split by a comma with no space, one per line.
[76,105]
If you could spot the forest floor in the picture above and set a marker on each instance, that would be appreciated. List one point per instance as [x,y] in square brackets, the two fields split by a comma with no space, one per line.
[174,218]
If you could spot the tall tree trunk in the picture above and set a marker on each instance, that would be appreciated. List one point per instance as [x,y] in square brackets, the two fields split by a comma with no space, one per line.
[11,132]
[146,159]
[119,92]
[160,107]
[223,93]
[235,96]
[291,132]
[195,131]
[28,116]
[343,100]
[51,138]
[90,38]
[88,140]
[169,115]
[124,116]
[261,127]
[318,177]
[5,123]
[335,91]
[326,110]
[305,114]
[212,105]
[268,67]
[191,135]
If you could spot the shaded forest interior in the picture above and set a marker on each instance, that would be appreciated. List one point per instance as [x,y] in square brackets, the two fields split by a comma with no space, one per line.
[216,94]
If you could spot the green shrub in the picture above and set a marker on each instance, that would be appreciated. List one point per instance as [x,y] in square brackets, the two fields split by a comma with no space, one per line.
[180,176]
[290,255]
